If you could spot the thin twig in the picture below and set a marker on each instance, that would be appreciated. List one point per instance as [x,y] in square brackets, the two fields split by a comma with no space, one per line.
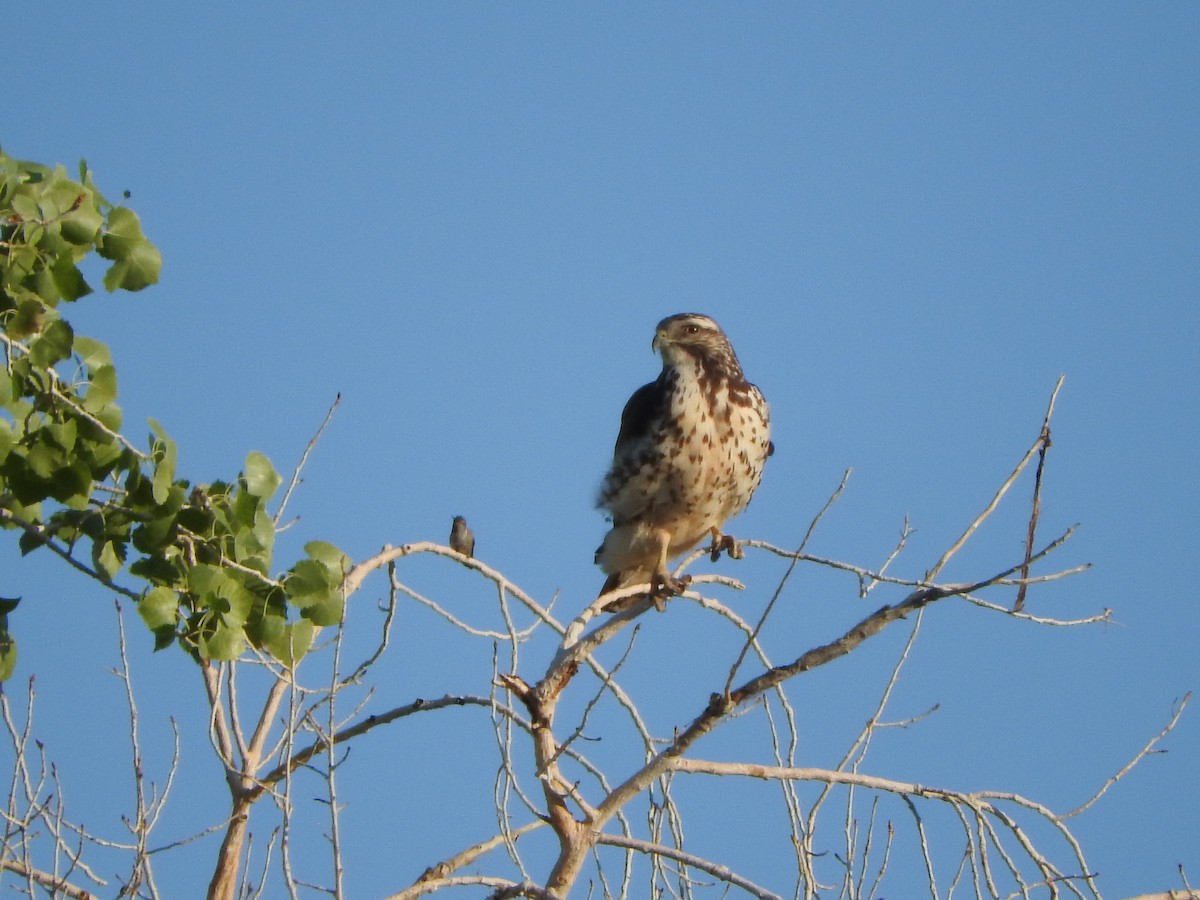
[762,619]
[42,533]
[469,855]
[1141,754]
[1036,508]
[998,496]
[308,449]
[141,862]
[688,859]
[301,757]
[335,833]
[52,883]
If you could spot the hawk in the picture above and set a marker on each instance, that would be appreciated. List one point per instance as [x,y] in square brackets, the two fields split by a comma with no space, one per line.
[689,456]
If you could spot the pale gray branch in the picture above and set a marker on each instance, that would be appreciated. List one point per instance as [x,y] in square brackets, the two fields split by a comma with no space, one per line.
[717,870]
[1141,754]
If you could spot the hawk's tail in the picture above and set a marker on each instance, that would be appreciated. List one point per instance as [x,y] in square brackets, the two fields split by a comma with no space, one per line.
[618,580]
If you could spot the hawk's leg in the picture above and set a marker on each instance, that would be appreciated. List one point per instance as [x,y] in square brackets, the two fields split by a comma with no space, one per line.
[724,542]
[662,584]
[664,587]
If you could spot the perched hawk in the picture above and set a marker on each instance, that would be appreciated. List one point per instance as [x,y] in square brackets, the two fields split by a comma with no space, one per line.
[689,455]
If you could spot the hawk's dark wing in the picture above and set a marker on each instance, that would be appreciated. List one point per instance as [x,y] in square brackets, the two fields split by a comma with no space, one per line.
[640,413]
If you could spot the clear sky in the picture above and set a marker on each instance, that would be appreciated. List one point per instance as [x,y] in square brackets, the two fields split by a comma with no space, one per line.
[467,218]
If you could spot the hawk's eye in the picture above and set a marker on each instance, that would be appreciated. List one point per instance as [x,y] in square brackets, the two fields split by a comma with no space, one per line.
[693,329]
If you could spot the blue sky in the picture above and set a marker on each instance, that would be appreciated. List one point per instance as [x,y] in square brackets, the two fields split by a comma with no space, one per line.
[467,218]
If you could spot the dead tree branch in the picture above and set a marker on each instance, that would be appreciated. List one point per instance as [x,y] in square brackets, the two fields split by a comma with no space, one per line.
[1141,754]
[724,873]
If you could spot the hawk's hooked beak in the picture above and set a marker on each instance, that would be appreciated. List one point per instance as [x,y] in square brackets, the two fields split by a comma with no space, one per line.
[660,338]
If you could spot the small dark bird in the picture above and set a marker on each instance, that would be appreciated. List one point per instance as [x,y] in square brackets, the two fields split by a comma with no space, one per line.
[461,538]
[689,456]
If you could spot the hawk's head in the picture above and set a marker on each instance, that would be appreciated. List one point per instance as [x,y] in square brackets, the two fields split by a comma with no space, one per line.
[691,335]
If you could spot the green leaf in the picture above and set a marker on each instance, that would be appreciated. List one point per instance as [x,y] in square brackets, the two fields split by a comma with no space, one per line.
[60,196]
[223,645]
[158,608]
[261,478]
[41,282]
[137,262]
[139,270]
[122,235]
[29,541]
[82,226]
[102,388]
[268,622]
[108,557]
[327,612]
[52,345]
[205,580]
[222,592]
[8,654]
[328,555]
[25,206]
[63,434]
[268,616]
[315,590]
[31,512]
[156,534]
[292,643]
[163,638]
[72,484]
[8,646]
[307,582]
[165,453]
[68,280]
[91,352]
[44,460]
[239,603]
[110,416]
[157,570]
[101,457]
[23,481]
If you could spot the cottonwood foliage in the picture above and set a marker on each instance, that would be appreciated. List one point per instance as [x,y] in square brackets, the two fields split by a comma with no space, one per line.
[71,484]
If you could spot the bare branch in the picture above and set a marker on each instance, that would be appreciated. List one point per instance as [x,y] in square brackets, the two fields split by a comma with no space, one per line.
[978,801]
[1104,617]
[51,883]
[1036,508]
[465,857]
[457,622]
[308,449]
[218,724]
[857,751]
[762,620]
[385,631]
[721,705]
[1141,754]
[141,822]
[428,887]
[690,860]
[999,495]
[371,722]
